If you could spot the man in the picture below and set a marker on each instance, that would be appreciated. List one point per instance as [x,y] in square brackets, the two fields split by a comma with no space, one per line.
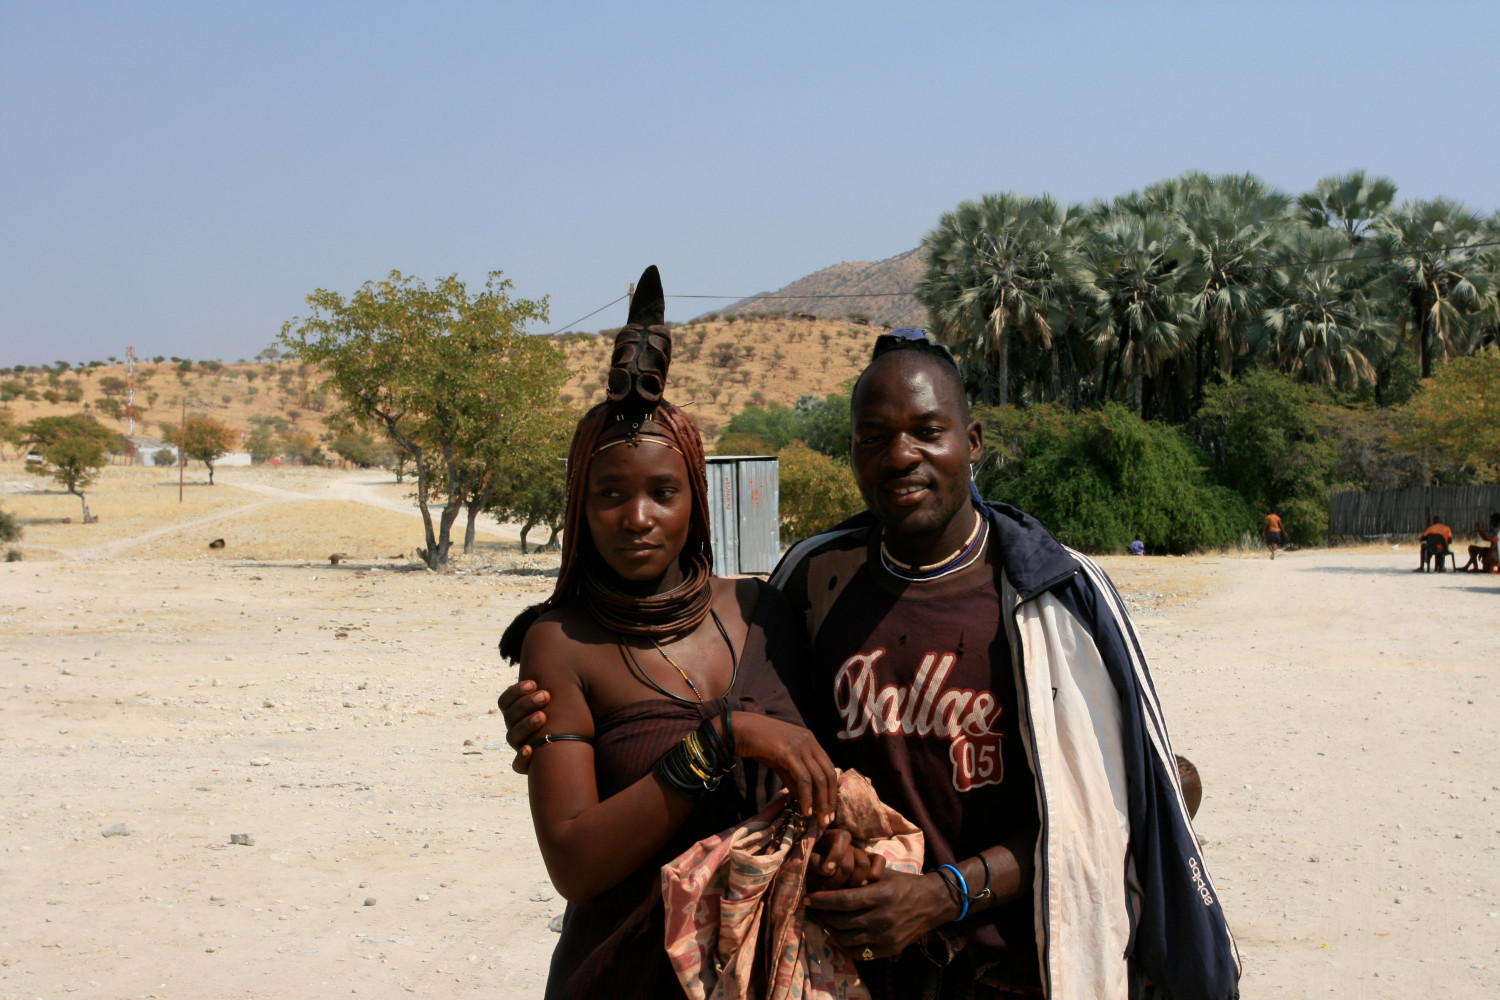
[1435,542]
[1273,532]
[988,682]
[1485,558]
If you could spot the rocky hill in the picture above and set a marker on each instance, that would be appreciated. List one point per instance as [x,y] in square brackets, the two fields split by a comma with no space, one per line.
[878,292]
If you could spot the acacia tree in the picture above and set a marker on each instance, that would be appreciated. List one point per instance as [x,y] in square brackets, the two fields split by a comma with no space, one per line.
[440,371]
[518,423]
[73,450]
[1455,416]
[202,439]
[533,484]
[11,432]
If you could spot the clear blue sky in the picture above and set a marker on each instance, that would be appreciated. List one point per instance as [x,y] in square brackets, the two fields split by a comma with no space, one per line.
[179,176]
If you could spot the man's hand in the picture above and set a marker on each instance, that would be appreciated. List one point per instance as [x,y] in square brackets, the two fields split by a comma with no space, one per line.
[835,863]
[886,916]
[520,704]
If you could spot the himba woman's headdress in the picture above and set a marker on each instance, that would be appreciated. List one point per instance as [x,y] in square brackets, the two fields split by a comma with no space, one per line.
[634,414]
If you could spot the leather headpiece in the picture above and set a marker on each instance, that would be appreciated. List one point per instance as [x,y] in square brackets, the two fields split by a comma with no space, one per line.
[643,348]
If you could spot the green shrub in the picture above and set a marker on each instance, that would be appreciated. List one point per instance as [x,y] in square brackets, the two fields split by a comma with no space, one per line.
[1100,479]
[816,492]
[1263,434]
[820,422]
[739,443]
[10,528]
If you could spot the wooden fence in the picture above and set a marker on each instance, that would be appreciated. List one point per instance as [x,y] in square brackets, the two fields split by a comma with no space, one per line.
[1409,511]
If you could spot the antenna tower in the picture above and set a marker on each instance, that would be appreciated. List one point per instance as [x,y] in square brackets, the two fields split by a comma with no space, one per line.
[130,388]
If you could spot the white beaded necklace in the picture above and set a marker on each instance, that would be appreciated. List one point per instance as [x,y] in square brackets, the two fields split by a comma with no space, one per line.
[968,553]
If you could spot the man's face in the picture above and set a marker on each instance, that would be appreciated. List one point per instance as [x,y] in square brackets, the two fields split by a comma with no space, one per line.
[911,448]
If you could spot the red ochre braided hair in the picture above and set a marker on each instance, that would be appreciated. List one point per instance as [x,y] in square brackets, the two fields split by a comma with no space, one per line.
[634,413]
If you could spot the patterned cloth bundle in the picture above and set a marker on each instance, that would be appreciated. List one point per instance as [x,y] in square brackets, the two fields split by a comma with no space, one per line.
[736,927]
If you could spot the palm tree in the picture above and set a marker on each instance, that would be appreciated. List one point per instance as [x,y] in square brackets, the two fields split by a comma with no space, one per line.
[1439,259]
[1130,263]
[1322,321]
[1352,203]
[1234,227]
[994,267]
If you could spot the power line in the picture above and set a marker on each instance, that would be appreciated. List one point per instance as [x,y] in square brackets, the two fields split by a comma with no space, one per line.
[810,295]
[1268,265]
[582,318]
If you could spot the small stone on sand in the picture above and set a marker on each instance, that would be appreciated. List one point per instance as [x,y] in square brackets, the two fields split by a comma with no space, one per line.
[118,830]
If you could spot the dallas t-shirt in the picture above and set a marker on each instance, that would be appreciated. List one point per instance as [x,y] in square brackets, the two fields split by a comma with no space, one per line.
[914,682]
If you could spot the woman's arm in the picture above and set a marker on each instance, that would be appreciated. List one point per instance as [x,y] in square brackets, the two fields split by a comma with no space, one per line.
[588,846]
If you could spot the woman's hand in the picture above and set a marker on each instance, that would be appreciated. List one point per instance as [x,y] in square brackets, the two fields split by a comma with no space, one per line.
[793,753]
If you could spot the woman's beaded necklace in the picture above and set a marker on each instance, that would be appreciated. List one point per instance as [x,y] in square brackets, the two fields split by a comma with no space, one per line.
[966,556]
[641,672]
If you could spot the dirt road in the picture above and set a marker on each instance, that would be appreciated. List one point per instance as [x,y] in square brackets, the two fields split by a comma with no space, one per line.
[1344,712]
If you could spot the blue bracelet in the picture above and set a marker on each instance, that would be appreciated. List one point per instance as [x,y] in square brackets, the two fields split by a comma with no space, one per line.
[963,890]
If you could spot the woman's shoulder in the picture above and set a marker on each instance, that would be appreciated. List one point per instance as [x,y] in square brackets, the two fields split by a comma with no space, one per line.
[556,642]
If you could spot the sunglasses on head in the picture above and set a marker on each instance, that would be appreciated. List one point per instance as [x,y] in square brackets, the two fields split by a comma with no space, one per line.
[910,338]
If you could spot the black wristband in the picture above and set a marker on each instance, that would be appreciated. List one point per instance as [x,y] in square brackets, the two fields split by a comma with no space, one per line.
[729,726]
[675,771]
[720,756]
[952,884]
[985,892]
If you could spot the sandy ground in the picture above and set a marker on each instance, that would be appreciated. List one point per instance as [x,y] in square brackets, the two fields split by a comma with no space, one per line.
[1344,713]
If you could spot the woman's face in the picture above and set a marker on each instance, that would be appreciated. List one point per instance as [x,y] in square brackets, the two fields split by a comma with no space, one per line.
[639,509]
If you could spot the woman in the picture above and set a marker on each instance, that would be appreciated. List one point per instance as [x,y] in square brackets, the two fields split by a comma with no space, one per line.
[661,676]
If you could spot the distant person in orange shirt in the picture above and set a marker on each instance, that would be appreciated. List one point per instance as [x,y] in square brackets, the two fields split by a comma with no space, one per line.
[1435,540]
[1486,558]
[1273,532]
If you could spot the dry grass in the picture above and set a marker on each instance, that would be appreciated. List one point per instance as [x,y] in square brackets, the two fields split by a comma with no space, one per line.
[263,514]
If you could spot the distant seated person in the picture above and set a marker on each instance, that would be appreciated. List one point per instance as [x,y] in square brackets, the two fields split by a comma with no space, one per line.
[1138,547]
[1486,558]
[1436,541]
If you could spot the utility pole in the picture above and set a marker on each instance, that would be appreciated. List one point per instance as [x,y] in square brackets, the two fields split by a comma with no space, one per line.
[130,388]
[181,451]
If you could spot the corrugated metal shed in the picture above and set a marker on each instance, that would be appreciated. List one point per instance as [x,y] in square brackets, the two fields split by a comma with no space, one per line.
[744,506]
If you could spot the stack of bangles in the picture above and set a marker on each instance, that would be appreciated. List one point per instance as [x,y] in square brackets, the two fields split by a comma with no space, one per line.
[960,887]
[695,766]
